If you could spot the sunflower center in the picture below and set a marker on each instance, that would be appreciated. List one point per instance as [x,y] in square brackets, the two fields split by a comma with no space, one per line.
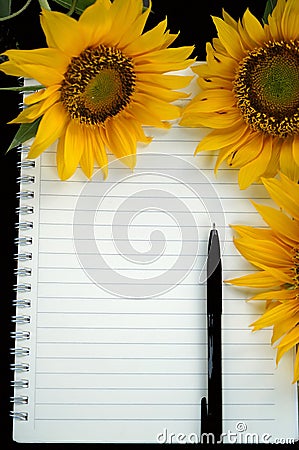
[296,268]
[98,84]
[267,88]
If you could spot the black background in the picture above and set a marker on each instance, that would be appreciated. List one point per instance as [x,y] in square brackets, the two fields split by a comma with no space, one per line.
[193,19]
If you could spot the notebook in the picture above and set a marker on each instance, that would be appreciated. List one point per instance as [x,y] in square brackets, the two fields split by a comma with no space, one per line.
[110,339]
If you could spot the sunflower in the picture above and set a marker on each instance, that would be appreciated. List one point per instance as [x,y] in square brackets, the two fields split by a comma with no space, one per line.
[102,78]
[275,251]
[250,94]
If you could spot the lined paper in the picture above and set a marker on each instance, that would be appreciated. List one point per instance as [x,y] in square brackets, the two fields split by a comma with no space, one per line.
[118,326]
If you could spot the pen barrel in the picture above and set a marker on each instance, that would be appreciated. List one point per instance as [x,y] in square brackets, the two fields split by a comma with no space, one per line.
[215,372]
[214,275]
[214,311]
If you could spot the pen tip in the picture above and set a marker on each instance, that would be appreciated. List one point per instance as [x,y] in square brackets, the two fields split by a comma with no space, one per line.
[214,226]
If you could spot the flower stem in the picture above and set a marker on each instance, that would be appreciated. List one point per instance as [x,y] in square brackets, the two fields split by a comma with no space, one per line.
[15,14]
[44,4]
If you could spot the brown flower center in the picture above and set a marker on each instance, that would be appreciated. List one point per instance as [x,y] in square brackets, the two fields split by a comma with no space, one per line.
[267,88]
[98,84]
[296,269]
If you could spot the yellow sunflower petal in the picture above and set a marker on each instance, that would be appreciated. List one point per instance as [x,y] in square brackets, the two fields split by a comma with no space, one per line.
[137,129]
[226,152]
[73,148]
[223,154]
[142,114]
[46,76]
[40,57]
[211,100]
[254,233]
[287,163]
[87,157]
[62,32]
[273,165]
[164,94]
[255,251]
[282,327]
[290,20]
[283,275]
[96,21]
[285,194]
[13,69]
[165,56]
[224,119]
[149,41]
[130,41]
[165,81]
[247,152]
[254,28]
[218,63]
[222,138]
[296,367]
[246,40]
[121,142]
[218,46]
[256,280]
[282,295]
[41,95]
[100,152]
[63,170]
[50,128]
[279,222]
[229,38]
[275,20]
[214,83]
[123,14]
[254,169]
[287,342]
[274,315]
[229,20]
[295,149]
[33,112]
[28,115]
[162,109]
[161,67]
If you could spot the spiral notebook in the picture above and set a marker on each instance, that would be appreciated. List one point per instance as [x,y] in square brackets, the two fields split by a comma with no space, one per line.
[110,336]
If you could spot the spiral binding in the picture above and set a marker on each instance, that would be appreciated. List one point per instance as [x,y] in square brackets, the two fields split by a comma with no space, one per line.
[26,225]
[20,400]
[23,272]
[22,303]
[22,367]
[26,256]
[25,210]
[20,351]
[21,415]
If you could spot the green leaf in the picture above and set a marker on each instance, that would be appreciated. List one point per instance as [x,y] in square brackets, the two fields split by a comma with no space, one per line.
[35,87]
[80,6]
[5,8]
[26,131]
[270,5]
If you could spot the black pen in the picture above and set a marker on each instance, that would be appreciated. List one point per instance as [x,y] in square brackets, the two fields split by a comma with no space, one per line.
[211,420]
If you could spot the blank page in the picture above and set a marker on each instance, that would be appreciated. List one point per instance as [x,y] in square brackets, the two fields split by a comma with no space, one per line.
[118,340]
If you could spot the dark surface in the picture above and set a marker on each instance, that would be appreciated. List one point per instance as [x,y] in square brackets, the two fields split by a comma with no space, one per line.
[193,19]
